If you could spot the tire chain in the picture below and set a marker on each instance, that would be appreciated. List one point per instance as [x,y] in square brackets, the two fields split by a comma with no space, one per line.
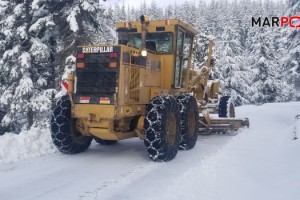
[60,128]
[153,124]
[185,101]
[58,122]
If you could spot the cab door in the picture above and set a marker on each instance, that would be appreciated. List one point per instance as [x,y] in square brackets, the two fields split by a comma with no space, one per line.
[179,57]
[183,55]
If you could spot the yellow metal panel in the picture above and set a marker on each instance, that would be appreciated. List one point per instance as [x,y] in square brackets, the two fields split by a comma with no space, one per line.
[106,134]
[168,71]
[136,81]
[101,111]
[150,78]
[122,80]
[130,110]
[155,92]
[101,123]
[145,95]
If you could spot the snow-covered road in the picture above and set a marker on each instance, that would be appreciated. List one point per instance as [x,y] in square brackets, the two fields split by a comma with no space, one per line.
[259,163]
[103,172]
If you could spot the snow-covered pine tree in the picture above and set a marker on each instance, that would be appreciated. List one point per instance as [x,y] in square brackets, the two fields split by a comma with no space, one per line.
[228,51]
[187,12]
[280,44]
[37,37]
[4,10]
[231,66]
[154,12]
[264,64]
[291,59]
[131,13]
[143,10]
[119,13]
[24,65]
[202,22]
[169,12]
[264,47]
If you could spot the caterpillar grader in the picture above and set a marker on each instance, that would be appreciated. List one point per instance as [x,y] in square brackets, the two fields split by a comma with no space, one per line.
[146,87]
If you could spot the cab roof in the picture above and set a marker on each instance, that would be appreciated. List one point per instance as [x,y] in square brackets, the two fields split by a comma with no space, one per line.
[157,23]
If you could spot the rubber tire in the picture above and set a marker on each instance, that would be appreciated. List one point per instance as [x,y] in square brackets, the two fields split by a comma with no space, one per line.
[63,132]
[225,105]
[105,142]
[155,128]
[188,105]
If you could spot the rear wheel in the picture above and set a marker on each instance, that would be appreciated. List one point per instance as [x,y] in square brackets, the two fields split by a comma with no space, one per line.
[161,128]
[105,142]
[63,129]
[226,107]
[189,122]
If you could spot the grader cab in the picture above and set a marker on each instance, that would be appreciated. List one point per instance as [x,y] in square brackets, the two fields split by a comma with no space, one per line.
[143,87]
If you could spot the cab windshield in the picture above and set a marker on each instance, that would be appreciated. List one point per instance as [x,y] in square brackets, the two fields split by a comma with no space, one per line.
[160,43]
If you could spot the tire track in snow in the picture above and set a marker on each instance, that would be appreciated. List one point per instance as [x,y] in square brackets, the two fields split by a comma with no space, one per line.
[108,188]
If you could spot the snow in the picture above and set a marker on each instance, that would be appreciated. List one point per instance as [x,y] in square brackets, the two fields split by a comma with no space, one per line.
[6,97]
[41,81]
[39,50]
[258,163]
[27,144]
[7,33]
[19,9]
[10,20]
[35,4]
[295,50]
[262,60]
[25,60]
[40,23]
[72,19]
[22,32]
[87,6]
[42,102]
[69,68]
[25,87]
[50,23]
[10,53]
[3,4]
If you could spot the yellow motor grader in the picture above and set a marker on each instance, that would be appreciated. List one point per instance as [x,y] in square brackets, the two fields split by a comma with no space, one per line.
[143,87]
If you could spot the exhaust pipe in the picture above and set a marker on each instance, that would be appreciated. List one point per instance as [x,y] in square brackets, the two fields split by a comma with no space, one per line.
[144,20]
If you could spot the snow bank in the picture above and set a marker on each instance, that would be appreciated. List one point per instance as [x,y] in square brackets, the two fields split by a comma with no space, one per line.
[27,144]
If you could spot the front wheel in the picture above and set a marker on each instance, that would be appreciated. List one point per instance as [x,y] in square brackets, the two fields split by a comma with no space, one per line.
[63,129]
[162,128]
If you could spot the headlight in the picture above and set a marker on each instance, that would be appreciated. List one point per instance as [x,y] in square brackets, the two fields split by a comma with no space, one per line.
[144,53]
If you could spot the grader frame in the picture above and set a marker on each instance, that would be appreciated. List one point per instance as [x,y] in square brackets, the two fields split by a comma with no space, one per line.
[117,90]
